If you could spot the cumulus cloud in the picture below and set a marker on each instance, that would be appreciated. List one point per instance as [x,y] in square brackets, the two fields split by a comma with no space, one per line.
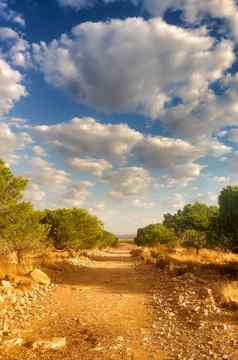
[34,194]
[186,172]
[80,139]
[129,181]
[195,10]
[53,187]
[161,152]
[77,194]
[10,15]
[140,65]
[43,173]
[87,137]
[11,88]
[175,202]
[143,204]
[12,142]
[38,151]
[232,135]
[16,49]
[93,166]
[82,4]
[221,180]
[208,117]
[20,54]
[8,33]
[77,4]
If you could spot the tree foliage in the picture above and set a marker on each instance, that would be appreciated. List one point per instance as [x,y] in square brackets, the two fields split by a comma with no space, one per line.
[76,228]
[11,188]
[107,239]
[228,218]
[196,225]
[20,226]
[21,229]
[155,234]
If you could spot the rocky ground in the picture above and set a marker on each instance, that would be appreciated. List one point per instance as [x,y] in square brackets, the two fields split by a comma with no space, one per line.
[190,323]
[114,306]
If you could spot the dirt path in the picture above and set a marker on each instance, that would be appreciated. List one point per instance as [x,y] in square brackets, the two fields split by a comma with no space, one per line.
[104,311]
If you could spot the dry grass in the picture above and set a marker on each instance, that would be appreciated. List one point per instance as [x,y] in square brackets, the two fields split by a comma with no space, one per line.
[229,294]
[11,270]
[205,256]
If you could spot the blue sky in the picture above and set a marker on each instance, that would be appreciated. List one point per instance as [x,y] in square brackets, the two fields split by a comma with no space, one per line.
[125,107]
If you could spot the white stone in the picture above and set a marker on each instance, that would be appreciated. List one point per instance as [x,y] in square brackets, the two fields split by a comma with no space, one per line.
[40,277]
[56,343]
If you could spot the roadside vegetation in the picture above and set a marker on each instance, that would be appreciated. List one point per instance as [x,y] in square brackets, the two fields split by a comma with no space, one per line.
[23,228]
[198,226]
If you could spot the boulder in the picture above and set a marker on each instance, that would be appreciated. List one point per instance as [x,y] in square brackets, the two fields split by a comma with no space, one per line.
[56,343]
[40,277]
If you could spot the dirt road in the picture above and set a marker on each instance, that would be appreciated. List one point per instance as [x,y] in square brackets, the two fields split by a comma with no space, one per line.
[104,311]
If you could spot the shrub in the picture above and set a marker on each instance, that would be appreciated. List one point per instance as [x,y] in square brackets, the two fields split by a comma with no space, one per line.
[155,234]
[107,239]
[20,227]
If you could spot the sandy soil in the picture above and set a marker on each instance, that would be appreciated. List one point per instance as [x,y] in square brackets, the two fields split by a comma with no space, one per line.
[104,311]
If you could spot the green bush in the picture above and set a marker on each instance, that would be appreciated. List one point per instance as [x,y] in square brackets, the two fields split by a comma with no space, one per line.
[228,218]
[107,240]
[20,227]
[73,228]
[155,234]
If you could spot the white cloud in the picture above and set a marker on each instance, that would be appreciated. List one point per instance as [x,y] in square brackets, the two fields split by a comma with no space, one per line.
[52,187]
[77,194]
[206,117]
[20,53]
[187,172]
[12,142]
[87,137]
[195,10]
[8,33]
[10,15]
[175,202]
[161,152]
[143,204]
[38,151]
[43,173]
[11,88]
[93,166]
[77,4]
[221,180]
[34,194]
[80,139]
[82,4]
[16,48]
[140,65]
[129,181]
[232,135]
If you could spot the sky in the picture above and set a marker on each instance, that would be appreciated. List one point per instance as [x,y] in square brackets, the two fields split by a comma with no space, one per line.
[128,108]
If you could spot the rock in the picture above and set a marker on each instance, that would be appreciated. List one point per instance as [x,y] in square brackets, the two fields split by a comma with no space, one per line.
[7,285]
[40,277]
[188,276]
[12,258]
[56,343]
[205,293]
[177,269]
[162,262]
[14,342]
